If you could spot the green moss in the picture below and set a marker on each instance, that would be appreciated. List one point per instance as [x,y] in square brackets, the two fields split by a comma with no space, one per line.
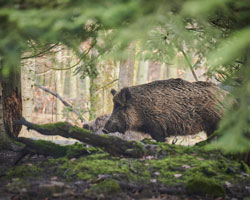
[23,171]
[16,184]
[51,126]
[61,125]
[107,187]
[90,167]
[7,143]
[55,149]
[106,136]
[170,149]
[205,187]
[79,130]
[137,151]
[99,156]
[208,171]
[177,168]
[244,167]
[171,165]
[189,163]
[148,141]
[70,151]
[78,149]
[175,165]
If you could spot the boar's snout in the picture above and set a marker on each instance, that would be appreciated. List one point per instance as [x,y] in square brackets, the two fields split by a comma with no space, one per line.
[86,126]
[105,131]
[114,126]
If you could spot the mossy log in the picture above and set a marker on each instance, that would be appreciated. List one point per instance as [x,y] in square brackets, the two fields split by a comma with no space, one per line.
[111,144]
[48,148]
[42,147]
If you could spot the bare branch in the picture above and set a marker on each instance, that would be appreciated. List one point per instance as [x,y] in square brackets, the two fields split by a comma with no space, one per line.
[62,100]
[40,53]
[111,82]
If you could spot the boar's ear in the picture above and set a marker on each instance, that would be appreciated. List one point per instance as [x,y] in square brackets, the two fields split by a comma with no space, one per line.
[125,95]
[113,92]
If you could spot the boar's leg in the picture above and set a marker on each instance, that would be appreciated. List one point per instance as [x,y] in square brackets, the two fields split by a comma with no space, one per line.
[210,124]
[155,131]
[210,128]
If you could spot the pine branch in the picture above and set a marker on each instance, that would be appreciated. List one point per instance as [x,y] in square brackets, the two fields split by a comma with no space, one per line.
[190,65]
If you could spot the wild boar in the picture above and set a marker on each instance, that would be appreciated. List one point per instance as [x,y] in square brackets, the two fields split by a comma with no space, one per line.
[96,124]
[167,108]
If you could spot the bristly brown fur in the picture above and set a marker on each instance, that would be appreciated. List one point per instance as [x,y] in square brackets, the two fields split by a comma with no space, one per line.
[167,108]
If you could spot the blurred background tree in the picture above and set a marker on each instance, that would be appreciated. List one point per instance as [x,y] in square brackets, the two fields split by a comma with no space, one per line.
[167,35]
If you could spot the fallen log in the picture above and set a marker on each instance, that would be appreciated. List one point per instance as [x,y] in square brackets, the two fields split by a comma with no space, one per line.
[111,144]
[43,147]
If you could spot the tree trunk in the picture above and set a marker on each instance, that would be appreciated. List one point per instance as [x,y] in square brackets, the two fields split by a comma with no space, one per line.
[93,98]
[10,109]
[28,75]
[126,73]
[12,101]
[142,72]
[163,72]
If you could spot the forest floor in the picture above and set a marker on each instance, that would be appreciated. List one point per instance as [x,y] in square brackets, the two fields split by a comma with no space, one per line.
[175,172]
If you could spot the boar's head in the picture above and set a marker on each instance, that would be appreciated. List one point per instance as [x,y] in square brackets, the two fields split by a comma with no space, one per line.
[124,115]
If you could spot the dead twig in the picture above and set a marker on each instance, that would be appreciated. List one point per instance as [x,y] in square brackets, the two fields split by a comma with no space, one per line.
[63,101]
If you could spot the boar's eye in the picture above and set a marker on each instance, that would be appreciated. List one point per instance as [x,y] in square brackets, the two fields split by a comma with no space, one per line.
[118,106]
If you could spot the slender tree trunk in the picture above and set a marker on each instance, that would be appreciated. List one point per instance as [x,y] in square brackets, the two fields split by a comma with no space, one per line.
[59,78]
[59,89]
[172,72]
[142,72]
[73,77]
[163,71]
[126,73]
[93,87]
[28,75]
[93,98]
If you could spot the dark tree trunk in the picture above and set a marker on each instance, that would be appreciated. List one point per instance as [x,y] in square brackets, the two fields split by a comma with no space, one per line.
[10,109]
[11,102]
